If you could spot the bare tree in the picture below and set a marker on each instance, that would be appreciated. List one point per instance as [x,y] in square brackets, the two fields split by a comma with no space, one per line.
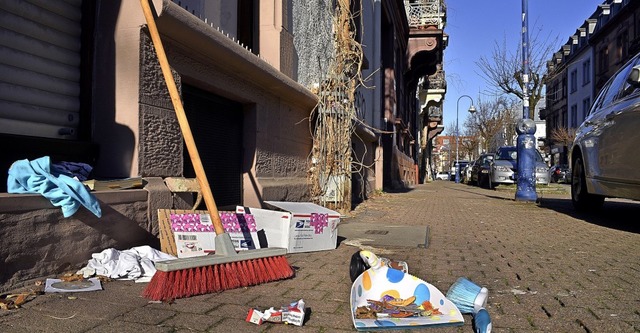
[467,143]
[503,70]
[493,123]
[470,145]
[563,135]
[450,129]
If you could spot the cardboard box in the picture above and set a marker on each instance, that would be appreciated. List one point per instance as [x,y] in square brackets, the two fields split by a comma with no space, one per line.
[193,244]
[193,233]
[297,226]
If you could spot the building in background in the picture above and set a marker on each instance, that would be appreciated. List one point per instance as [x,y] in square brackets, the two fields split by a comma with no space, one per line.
[603,43]
[82,83]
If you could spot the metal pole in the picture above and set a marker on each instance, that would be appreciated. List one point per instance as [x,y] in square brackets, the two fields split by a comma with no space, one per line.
[457,139]
[525,59]
[526,128]
[458,136]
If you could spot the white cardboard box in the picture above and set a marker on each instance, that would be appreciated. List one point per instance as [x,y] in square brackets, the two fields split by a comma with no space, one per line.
[199,243]
[193,244]
[297,226]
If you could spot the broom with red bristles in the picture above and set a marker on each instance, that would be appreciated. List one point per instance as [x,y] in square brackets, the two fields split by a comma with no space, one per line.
[227,268]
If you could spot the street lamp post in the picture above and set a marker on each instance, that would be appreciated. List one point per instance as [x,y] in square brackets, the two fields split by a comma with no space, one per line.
[472,109]
[526,128]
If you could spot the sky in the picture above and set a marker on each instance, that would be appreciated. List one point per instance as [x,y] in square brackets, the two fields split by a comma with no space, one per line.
[475,26]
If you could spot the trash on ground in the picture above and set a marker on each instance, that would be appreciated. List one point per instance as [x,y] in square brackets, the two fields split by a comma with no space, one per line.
[383,297]
[62,286]
[135,264]
[187,233]
[390,307]
[362,260]
[292,314]
[15,301]
[297,226]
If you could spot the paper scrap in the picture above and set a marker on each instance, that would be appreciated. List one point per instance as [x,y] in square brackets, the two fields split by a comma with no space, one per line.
[61,286]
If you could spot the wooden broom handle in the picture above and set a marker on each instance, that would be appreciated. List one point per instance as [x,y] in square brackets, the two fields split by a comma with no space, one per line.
[182,119]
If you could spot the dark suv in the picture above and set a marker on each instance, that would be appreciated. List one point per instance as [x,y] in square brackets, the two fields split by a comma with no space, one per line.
[480,170]
[604,154]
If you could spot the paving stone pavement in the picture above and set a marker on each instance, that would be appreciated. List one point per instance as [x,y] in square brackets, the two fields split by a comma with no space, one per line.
[547,268]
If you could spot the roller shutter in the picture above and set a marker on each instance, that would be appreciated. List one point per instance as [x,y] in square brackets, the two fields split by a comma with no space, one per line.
[40,55]
[216,123]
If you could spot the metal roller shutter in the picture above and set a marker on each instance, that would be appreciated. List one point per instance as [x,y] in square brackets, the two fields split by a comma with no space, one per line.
[40,45]
[216,124]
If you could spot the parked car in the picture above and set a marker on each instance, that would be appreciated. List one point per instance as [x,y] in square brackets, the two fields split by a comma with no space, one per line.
[604,153]
[479,174]
[442,175]
[560,173]
[463,164]
[466,173]
[505,165]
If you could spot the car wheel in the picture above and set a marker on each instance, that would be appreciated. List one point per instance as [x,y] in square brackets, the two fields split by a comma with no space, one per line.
[581,199]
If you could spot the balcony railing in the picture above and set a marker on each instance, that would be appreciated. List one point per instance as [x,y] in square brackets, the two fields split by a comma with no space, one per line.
[435,112]
[424,13]
[437,80]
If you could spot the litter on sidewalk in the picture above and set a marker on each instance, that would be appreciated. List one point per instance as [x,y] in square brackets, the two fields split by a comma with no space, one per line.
[136,263]
[293,314]
[62,286]
[297,226]
[360,263]
[384,297]
[186,233]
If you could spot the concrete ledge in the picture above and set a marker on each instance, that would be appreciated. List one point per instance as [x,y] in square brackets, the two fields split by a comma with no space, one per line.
[38,242]
[284,189]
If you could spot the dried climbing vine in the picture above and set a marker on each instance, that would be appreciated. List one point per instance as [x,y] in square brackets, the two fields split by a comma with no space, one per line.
[332,121]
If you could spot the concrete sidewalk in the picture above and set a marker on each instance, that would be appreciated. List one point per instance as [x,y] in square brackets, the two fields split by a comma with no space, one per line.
[547,268]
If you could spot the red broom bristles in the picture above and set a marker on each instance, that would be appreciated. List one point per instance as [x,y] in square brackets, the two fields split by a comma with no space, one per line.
[167,286]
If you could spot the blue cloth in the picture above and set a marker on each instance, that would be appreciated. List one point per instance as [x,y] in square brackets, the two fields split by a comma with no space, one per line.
[73,169]
[38,177]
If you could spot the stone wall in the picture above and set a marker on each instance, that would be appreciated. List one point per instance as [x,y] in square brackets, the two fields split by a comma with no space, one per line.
[39,242]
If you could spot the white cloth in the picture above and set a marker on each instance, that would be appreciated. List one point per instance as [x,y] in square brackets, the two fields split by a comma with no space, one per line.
[135,264]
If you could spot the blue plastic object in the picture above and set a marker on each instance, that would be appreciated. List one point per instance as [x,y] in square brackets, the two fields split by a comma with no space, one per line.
[482,321]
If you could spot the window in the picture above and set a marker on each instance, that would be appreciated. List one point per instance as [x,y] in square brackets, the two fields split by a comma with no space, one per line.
[603,64]
[247,25]
[622,45]
[586,72]
[574,115]
[573,84]
[553,96]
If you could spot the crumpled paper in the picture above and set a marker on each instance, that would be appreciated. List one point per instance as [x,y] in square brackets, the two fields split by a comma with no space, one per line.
[293,314]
